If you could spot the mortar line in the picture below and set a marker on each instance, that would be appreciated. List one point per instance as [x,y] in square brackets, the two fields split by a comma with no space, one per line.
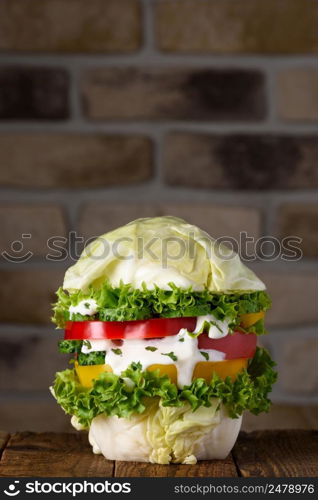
[122,127]
[149,48]
[159,162]
[271,97]
[145,56]
[146,192]
[74,95]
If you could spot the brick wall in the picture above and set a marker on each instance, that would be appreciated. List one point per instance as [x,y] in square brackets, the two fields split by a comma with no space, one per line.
[115,110]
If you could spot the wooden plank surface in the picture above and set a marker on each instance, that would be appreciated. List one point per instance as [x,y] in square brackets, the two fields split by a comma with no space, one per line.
[286,453]
[213,468]
[258,454]
[52,455]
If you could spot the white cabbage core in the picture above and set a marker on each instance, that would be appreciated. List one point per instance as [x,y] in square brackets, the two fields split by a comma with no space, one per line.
[166,435]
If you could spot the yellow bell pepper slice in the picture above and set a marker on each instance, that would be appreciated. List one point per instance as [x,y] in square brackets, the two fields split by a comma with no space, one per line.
[86,374]
[203,369]
[249,319]
[228,368]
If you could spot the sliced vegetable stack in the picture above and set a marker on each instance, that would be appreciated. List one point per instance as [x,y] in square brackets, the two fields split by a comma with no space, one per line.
[162,351]
[237,342]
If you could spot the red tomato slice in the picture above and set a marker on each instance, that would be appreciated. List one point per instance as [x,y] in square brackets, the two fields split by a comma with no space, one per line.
[145,329]
[235,345]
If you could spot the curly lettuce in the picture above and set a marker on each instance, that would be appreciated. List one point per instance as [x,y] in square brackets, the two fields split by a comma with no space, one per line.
[83,359]
[124,303]
[128,394]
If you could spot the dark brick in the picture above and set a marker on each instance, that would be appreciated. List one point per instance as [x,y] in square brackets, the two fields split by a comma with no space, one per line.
[297,93]
[33,93]
[294,295]
[218,220]
[183,93]
[73,160]
[40,221]
[70,25]
[32,355]
[259,162]
[237,26]
[299,380]
[226,94]
[27,295]
[99,218]
[241,162]
[300,219]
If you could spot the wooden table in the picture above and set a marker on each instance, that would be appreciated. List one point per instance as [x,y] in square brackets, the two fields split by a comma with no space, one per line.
[258,454]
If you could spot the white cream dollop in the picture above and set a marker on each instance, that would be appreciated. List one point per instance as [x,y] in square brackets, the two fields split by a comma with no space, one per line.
[217,328]
[87,307]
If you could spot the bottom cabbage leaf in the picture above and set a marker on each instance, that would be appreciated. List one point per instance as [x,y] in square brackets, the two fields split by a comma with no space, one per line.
[161,434]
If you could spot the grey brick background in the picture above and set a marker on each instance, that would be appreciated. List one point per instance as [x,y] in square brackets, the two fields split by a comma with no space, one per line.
[111,111]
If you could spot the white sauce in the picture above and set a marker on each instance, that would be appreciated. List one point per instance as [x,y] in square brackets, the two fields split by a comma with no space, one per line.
[87,307]
[217,330]
[186,351]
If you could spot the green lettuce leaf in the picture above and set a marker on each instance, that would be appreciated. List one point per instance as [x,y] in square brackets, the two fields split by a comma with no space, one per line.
[83,359]
[128,394]
[70,346]
[91,358]
[124,303]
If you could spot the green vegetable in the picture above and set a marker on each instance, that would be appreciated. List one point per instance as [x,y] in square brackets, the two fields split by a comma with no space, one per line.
[70,346]
[111,395]
[61,312]
[84,359]
[151,348]
[205,355]
[171,355]
[91,358]
[119,352]
[124,303]
[163,242]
